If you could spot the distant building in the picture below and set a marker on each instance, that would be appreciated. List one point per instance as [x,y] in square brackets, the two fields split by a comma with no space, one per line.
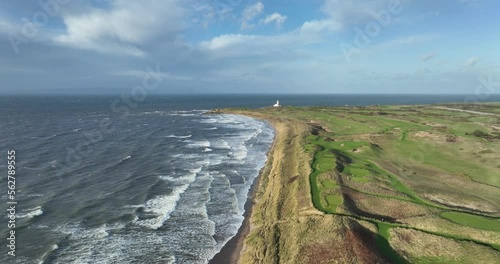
[277,104]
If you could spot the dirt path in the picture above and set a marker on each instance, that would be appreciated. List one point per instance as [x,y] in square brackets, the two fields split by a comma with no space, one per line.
[462,110]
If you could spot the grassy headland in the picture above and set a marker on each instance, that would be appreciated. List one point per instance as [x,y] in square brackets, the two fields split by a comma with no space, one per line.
[379,184]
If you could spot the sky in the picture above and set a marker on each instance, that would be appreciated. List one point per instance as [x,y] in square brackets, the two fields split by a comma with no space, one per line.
[247,46]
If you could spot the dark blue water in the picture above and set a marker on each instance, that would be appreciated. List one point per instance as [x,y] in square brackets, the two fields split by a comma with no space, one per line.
[163,184]
[104,180]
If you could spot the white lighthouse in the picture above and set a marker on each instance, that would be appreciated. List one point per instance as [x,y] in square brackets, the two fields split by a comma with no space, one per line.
[277,104]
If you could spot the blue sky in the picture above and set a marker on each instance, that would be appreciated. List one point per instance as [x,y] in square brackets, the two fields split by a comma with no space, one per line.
[243,46]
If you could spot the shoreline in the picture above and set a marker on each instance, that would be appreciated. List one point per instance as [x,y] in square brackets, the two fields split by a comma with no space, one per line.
[230,253]
[280,201]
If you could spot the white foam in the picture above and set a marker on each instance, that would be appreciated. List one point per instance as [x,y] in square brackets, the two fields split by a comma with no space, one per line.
[53,163]
[207,150]
[30,213]
[164,205]
[220,144]
[154,113]
[240,152]
[171,260]
[198,170]
[39,226]
[211,128]
[177,114]
[126,158]
[199,144]
[174,136]
[238,126]
[228,119]
[103,245]
[187,156]
[85,243]
[167,178]
[81,233]
[52,248]
[209,121]
[214,158]
[35,195]
[185,178]
[133,206]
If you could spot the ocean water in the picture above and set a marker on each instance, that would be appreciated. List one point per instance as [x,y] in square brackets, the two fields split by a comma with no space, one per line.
[167,185]
[157,181]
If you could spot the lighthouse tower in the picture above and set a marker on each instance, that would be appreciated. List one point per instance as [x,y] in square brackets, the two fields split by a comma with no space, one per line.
[277,104]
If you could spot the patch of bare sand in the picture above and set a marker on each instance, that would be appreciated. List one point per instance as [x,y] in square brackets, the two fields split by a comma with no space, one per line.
[435,125]
[428,135]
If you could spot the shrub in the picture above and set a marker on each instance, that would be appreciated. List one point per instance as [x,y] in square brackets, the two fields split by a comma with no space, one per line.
[479,133]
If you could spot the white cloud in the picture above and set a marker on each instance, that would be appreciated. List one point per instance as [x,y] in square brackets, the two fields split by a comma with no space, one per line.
[225,41]
[250,12]
[237,46]
[207,12]
[278,18]
[346,13]
[123,27]
[428,56]
[471,62]
[240,44]
[318,26]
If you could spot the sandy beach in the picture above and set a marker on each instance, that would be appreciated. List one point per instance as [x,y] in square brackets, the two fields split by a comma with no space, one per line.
[268,232]
[231,251]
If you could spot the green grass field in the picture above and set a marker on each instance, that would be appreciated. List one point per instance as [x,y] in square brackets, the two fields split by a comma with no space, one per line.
[423,155]
[473,220]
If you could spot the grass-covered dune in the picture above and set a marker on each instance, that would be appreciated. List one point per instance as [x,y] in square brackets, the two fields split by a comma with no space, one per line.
[378,184]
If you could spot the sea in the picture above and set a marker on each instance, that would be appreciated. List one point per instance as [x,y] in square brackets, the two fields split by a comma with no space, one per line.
[106,179]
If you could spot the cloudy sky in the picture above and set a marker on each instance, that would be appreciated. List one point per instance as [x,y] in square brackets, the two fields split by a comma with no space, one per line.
[247,46]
